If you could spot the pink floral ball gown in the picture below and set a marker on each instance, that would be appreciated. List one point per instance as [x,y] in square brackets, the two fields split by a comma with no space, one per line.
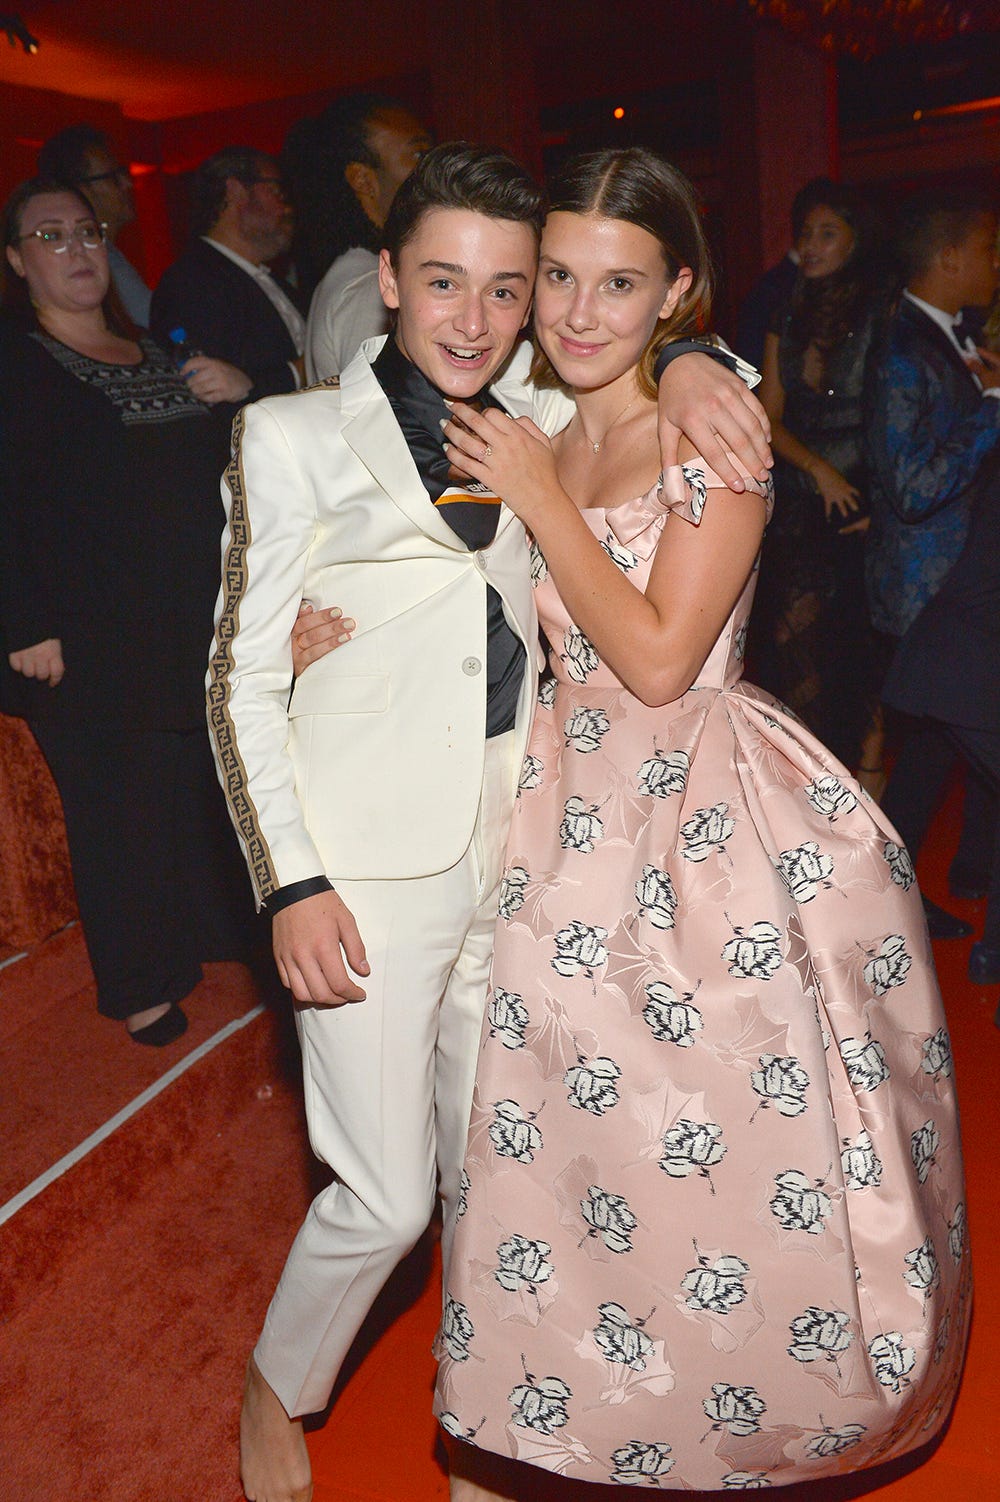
[713,1224]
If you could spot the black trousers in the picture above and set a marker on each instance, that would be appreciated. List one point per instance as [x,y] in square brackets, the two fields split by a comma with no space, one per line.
[926,760]
[160,881]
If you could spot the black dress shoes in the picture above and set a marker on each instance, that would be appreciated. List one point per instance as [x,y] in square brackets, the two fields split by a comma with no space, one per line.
[984,964]
[966,882]
[942,925]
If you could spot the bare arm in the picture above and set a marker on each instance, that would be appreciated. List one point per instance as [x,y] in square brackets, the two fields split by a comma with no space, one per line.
[656,642]
[719,416]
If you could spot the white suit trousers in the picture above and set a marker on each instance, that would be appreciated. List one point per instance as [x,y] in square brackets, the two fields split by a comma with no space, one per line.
[388,1091]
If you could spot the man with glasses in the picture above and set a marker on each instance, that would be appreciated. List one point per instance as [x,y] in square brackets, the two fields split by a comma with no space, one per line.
[81,157]
[233,324]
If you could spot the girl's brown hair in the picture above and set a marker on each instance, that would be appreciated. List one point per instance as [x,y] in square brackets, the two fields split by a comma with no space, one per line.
[639,187]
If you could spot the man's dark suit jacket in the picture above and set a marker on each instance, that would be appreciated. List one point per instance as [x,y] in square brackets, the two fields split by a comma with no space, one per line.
[932,439]
[948,663]
[224,313]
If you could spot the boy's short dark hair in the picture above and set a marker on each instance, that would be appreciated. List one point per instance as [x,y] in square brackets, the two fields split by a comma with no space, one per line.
[459,176]
[932,220]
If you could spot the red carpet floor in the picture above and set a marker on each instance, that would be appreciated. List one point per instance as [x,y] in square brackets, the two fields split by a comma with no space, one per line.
[133,1285]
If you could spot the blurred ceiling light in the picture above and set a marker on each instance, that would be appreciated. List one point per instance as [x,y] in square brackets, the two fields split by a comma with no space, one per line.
[867,27]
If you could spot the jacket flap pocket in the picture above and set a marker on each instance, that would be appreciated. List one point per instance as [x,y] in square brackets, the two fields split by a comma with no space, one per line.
[326,694]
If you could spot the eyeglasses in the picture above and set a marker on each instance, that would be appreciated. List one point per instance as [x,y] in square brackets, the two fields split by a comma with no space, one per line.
[120,174]
[57,240]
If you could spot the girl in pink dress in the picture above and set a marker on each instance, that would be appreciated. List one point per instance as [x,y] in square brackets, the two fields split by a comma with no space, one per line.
[714,1228]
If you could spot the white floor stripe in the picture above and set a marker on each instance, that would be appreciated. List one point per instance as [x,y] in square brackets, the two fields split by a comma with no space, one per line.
[103,1132]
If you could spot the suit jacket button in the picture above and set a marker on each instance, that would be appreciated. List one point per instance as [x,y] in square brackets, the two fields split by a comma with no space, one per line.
[472,666]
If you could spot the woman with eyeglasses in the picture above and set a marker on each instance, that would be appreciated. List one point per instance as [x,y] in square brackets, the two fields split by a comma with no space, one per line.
[111,515]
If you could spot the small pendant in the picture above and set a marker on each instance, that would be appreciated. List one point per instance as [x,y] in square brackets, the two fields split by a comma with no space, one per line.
[597,447]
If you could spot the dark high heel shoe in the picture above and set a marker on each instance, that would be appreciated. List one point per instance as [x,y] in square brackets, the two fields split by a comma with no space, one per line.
[166,1029]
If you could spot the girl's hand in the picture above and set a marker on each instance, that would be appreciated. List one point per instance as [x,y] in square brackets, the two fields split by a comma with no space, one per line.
[513,457]
[837,494]
[317,632]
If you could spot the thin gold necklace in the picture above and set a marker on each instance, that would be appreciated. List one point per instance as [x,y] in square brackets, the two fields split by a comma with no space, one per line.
[614,422]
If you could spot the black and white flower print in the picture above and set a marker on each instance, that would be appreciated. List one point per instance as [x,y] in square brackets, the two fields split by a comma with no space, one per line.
[956,1233]
[829,796]
[547,693]
[745,1481]
[692,1147]
[897,858]
[924,1143]
[579,656]
[861,1163]
[669,1019]
[531,774]
[462,1203]
[513,1134]
[512,889]
[664,774]
[781,1082]
[584,729]
[922,1270]
[835,1441]
[541,1405]
[755,952]
[640,1461]
[740,642]
[508,1018]
[656,897]
[580,949]
[937,1054]
[609,1216]
[619,554]
[452,1424]
[592,1086]
[820,1334]
[737,1409]
[864,1060]
[804,870]
[718,1286]
[623,1342]
[892,1359]
[457,1330]
[798,1204]
[889,967]
[706,831]
[522,1263]
[697,489]
[539,567]
[580,828]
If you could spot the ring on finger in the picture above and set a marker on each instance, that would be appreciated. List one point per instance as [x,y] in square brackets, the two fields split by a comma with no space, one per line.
[489,451]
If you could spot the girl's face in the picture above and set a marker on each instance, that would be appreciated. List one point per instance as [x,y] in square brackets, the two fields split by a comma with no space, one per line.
[77,278]
[825,243]
[602,286]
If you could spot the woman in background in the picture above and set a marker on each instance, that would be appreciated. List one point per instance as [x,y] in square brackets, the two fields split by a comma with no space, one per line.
[111,515]
[816,648]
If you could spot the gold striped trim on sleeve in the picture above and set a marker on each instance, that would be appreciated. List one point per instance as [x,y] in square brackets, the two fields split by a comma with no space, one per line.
[235,781]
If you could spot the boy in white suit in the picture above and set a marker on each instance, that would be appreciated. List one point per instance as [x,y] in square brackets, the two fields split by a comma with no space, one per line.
[373,807]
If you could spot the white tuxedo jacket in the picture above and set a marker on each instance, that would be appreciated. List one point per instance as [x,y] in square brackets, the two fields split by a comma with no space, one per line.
[373,767]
